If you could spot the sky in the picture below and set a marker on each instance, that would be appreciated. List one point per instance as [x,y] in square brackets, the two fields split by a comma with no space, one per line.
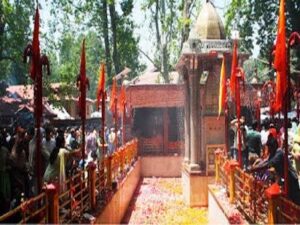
[146,34]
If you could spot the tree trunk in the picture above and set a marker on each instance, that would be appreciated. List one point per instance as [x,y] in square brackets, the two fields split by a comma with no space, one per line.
[2,25]
[106,38]
[113,20]
[186,27]
[163,45]
[165,62]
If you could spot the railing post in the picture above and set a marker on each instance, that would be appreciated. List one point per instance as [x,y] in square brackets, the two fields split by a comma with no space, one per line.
[109,175]
[53,203]
[122,150]
[92,184]
[217,164]
[232,165]
[272,193]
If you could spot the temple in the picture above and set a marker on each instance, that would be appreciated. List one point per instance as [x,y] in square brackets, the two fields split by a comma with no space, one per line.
[208,146]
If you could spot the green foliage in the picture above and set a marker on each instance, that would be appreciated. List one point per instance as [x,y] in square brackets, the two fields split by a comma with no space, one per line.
[14,35]
[65,65]
[88,17]
[257,21]
[171,21]
[256,69]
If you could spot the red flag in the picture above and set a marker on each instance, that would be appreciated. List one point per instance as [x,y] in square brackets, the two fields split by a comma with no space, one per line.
[101,84]
[222,87]
[113,96]
[234,65]
[35,45]
[122,99]
[280,60]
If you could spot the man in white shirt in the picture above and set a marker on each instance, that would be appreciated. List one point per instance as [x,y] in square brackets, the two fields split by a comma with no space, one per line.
[48,142]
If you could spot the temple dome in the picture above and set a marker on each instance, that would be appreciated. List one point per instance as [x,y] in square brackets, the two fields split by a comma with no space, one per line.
[209,24]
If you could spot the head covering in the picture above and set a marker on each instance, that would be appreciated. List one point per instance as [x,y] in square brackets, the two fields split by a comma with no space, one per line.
[273,132]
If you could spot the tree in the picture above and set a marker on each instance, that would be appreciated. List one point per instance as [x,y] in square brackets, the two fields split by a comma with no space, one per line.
[14,35]
[114,30]
[65,63]
[257,22]
[171,22]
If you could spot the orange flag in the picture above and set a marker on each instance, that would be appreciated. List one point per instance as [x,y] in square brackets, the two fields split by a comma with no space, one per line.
[280,59]
[122,99]
[35,45]
[234,65]
[113,96]
[101,84]
[222,88]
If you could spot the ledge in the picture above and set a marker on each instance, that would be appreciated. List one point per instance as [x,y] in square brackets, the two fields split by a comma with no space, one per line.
[119,202]
[219,205]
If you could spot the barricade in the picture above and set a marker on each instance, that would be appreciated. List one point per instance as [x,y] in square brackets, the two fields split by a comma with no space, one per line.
[251,197]
[86,190]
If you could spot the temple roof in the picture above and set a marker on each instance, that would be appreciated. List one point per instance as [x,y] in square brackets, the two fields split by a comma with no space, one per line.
[208,25]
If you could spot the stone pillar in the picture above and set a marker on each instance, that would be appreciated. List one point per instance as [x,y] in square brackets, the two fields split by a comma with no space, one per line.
[194,120]
[187,127]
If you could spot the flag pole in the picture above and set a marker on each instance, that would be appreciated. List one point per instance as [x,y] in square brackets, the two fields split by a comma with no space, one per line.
[36,74]
[240,76]
[226,128]
[82,83]
[286,105]
[116,122]
[238,112]
[293,40]
[124,123]
[103,122]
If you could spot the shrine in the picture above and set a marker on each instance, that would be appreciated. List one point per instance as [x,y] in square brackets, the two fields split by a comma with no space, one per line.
[210,138]
[200,65]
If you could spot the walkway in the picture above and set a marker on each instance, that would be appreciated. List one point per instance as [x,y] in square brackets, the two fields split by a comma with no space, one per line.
[159,201]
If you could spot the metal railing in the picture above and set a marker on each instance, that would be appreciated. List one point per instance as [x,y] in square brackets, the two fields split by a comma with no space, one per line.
[33,210]
[250,197]
[74,197]
[84,191]
[249,193]
[287,211]
[223,172]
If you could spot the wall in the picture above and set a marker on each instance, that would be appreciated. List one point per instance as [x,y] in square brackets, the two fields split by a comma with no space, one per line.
[116,208]
[161,166]
[216,214]
[155,95]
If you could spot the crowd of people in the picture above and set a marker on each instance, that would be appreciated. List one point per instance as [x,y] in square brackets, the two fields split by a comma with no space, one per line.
[262,151]
[60,154]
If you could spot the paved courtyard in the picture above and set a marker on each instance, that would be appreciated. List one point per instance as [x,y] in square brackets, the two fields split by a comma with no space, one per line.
[160,201]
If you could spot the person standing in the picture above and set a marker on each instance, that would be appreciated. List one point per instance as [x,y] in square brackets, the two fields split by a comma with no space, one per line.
[48,142]
[55,171]
[5,187]
[18,168]
[253,140]
[111,141]
[32,162]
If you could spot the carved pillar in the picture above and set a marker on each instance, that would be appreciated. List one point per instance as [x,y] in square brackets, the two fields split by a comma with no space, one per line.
[187,127]
[194,119]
